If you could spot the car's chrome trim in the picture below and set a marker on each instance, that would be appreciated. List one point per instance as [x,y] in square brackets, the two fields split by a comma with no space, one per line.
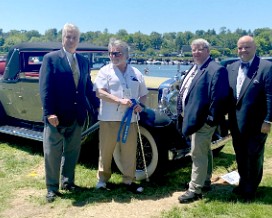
[22,132]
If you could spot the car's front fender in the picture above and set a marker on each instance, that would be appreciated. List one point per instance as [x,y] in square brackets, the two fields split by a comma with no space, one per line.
[154,118]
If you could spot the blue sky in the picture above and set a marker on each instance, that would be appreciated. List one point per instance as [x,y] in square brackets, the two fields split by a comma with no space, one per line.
[145,16]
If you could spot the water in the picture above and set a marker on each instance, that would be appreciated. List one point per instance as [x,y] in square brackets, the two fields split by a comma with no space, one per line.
[161,70]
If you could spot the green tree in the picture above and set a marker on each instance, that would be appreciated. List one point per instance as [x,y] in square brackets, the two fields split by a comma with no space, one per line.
[140,42]
[11,41]
[155,40]
[153,44]
[32,33]
[122,34]
[51,35]
[215,53]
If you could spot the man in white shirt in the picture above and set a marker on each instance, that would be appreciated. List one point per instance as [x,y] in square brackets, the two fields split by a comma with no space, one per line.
[118,85]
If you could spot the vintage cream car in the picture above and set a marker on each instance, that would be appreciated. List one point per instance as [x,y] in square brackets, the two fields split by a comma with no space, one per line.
[21,110]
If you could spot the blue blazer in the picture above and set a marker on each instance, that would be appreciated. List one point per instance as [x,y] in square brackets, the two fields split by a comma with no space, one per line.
[207,98]
[254,105]
[58,92]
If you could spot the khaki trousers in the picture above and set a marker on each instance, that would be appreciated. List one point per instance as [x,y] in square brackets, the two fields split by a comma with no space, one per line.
[202,158]
[107,142]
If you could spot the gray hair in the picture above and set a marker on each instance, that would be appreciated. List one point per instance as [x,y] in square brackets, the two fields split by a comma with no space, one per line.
[120,44]
[70,27]
[202,42]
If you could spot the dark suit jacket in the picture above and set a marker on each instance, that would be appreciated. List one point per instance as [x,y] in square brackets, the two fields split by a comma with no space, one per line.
[207,98]
[254,105]
[58,92]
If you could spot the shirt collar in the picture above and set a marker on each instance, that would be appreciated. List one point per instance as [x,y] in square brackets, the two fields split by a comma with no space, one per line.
[68,54]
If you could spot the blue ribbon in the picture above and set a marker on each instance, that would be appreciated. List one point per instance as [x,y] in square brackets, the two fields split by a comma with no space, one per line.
[126,121]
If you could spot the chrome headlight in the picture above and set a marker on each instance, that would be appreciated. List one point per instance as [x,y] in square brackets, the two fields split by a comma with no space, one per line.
[168,103]
[171,102]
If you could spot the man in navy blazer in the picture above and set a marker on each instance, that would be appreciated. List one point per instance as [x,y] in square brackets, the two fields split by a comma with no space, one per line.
[250,114]
[201,107]
[67,94]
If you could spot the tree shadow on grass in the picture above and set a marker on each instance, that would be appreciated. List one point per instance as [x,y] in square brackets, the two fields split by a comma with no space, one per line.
[88,155]
[223,193]
[166,181]
[169,180]
[27,145]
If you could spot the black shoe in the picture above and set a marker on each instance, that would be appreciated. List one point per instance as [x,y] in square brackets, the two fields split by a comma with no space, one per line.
[71,188]
[52,195]
[134,188]
[248,197]
[189,196]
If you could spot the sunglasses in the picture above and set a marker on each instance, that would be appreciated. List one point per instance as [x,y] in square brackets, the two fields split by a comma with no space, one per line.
[116,54]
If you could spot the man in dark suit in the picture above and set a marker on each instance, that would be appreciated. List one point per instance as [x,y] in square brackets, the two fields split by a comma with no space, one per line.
[201,107]
[250,114]
[67,94]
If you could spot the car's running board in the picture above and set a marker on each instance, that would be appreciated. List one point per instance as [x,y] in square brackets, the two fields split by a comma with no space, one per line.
[222,141]
[175,154]
[38,135]
[22,132]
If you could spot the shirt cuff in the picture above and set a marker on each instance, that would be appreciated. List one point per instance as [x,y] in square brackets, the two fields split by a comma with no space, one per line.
[266,121]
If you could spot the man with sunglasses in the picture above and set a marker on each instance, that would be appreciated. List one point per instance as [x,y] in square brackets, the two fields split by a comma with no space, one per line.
[119,87]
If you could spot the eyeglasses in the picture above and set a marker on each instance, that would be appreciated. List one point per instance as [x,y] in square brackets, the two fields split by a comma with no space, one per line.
[71,37]
[116,54]
[198,49]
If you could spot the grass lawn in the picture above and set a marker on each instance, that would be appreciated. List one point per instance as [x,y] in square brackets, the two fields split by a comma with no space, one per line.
[22,188]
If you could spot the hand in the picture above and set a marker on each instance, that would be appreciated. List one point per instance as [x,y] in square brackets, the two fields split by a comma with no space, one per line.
[53,120]
[137,108]
[266,128]
[126,101]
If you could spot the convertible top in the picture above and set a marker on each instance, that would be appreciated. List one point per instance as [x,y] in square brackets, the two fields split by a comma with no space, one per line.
[51,46]
[18,55]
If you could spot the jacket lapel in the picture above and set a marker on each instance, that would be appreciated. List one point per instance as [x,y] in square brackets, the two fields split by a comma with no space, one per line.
[233,74]
[64,61]
[252,72]
[198,75]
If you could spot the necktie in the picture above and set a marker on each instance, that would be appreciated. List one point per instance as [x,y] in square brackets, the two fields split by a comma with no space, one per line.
[244,65]
[183,88]
[75,71]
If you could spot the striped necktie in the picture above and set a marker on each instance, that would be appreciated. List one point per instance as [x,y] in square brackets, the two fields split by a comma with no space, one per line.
[183,88]
[75,70]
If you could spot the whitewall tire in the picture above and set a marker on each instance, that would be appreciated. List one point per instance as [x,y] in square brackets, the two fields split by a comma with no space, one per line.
[151,155]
